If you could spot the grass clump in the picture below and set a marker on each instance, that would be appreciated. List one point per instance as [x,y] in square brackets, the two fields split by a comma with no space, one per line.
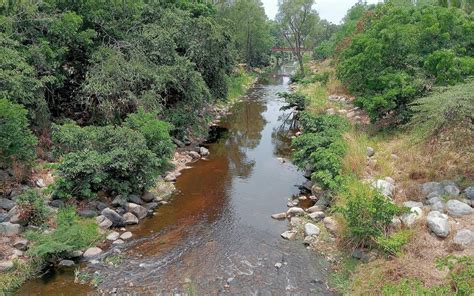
[393,243]
[12,279]
[32,208]
[72,233]
[237,84]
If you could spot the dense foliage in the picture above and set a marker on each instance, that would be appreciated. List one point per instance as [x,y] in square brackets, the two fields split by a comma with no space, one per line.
[321,148]
[33,210]
[17,143]
[402,51]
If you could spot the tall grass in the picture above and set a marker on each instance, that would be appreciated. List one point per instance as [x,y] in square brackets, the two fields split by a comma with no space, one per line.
[237,84]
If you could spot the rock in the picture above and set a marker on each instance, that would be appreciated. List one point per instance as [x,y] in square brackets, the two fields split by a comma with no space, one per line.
[137,210]
[411,204]
[464,237]
[40,183]
[396,223]
[6,265]
[451,190]
[118,242]
[438,223]
[103,222]
[178,143]
[456,208]
[6,204]
[130,218]
[21,244]
[295,211]
[203,151]
[148,197]
[74,254]
[295,221]
[57,203]
[310,229]
[194,155]
[151,206]
[307,185]
[100,206]
[289,235]
[113,236]
[330,111]
[126,235]
[92,253]
[170,177]
[408,219]
[430,187]
[323,202]
[113,216]
[308,170]
[15,215]
[317,215]
[469,192]
[314,209]
[390,180]
[9,229]
[293,203]
[87,213]
[370,151]
[331,224]
[360,255]
[119,201]
[4,217]
[384,187]
[279,216]
[278,265]
[66,263]
[135,199]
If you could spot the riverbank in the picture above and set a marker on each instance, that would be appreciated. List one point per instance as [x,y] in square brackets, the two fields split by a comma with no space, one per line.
[107,219]
[424,244]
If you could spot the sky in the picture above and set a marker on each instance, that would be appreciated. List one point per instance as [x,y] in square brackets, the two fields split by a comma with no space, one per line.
[331,10]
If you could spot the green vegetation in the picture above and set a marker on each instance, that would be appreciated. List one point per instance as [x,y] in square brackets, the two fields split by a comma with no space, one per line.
[71,233]
[238,83]
[33,210]
[294,100]
[402,51]
[12,279]
[16,140]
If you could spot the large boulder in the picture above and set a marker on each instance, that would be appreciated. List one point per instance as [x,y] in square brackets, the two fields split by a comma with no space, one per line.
[103,222]
[148,197]
[9,229]
[92,253]
[135,199]
[295,211]
[113,216]
[384,187]
[137,210]
[6,204]
[437,204]
[311,230]
[438,223]
[457,208]
[432,187]
[464,237]
[130,218]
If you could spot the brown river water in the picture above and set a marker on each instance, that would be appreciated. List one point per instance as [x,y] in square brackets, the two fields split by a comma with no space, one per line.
[216,236]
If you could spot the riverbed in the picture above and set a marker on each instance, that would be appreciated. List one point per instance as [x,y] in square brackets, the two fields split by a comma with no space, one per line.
[216,235]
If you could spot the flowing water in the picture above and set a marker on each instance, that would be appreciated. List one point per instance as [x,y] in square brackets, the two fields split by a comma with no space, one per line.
[216,236]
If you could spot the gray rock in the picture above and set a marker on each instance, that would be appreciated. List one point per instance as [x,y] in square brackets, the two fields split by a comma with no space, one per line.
[317,216]
[204,151]
[323,202]
[409,219]
[411,204]
[307,185]
[430,187]
[178,143]
[9,229]
[66,263]
[279,216]
[126,235]
[469,192]
[74,254]
[119,201]
[278,265]
[92,253]
[40,183]
[57,203]
[135,199]
[451,190]
[370,151]
[130,218]
[170,177]
[438,223]
[194,154]
[330,111]
[396,223]
[6,265]
[4,217]
[384,187]
[100,206]
[118,242]
[21,244]
[14,215]
[310,229]
[151,206]
[464,237]
[360,255]
[6,204]
[148,197]
[331,224]
[113,216]
[295,211]
[87,213]
[289,235]
[295,221]
[457,208]
[114,235]
[137,210]
[314,209]
[103,222]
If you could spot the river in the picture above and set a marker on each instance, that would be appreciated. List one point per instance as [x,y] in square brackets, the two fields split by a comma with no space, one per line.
[216,236]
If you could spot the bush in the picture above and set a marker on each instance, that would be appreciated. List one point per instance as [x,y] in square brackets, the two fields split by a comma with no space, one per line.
[392,244]
[106,158]
[402,51]
[16,140]
[32,208]
[321,147]
[72,233]
[367,214]
[293,100]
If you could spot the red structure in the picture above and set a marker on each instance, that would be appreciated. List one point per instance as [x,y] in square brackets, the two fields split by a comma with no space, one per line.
[287,49]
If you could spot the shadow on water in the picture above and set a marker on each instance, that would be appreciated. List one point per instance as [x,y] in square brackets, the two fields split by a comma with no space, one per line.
[216,235]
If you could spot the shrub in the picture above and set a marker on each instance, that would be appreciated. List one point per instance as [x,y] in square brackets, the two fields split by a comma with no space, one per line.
[321,147]
[32,207]
[105,158]
[72,233]
[367,214]
[393,243]
[16,140]
[293,100]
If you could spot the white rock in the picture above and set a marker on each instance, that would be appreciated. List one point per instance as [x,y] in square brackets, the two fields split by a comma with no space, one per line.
[314,209]
[384,187]
[113,236]
[118,242]
[126,235]
[278,265]
[40,183]
[295,221]
[279,216]
[331,224]
[457,208]
[295,211]
[6,265]
[438,223]
[130,218]
[137,210]
[370,151]
[409,219]
[9,229]
[289,235]
[204,151]
[317,216]
[310,229]
[464,237]
[92,252]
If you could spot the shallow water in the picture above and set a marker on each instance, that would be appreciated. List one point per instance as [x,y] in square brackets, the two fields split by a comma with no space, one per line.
[216,236]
